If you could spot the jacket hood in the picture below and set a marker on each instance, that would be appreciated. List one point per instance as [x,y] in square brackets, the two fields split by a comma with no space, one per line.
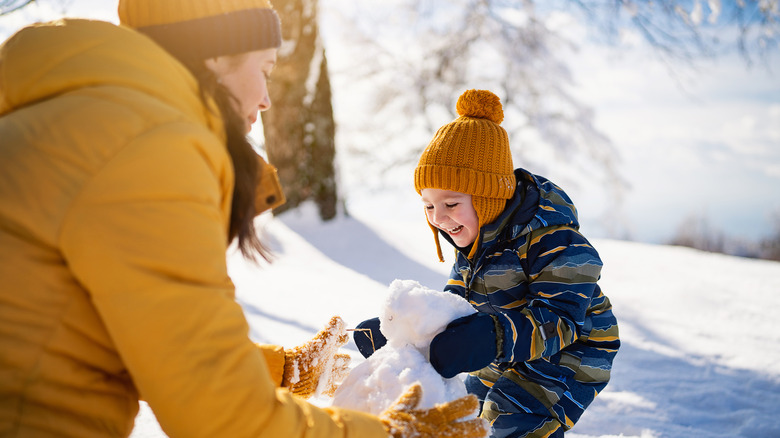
[537,203]
[45,60]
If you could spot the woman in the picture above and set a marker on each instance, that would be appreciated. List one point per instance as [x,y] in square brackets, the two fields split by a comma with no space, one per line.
[124,175]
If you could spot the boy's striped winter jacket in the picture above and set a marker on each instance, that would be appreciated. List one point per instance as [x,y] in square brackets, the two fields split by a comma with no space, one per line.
[538,274]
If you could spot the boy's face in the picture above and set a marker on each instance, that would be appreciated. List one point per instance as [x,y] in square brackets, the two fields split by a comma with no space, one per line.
[453,213]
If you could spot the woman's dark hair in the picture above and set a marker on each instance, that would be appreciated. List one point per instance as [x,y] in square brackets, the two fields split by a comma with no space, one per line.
[244,158]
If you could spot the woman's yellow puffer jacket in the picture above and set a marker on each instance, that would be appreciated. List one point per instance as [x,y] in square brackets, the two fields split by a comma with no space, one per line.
[115,193]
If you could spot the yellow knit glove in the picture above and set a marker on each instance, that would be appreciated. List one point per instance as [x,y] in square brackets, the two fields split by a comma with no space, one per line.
[315,367]
[446,420]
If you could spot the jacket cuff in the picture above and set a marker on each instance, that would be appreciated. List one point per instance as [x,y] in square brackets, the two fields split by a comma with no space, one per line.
[274,357]
[358,424]
[519,338]
[499,336]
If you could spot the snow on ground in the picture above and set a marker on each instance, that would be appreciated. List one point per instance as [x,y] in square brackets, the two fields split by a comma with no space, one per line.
[701,345]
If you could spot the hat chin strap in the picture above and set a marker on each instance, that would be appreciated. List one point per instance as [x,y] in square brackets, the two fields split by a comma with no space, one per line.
[436,239]
[439,253]
[474,247]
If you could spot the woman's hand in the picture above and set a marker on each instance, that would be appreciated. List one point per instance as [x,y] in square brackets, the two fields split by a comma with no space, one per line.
[315,367]
[446,420]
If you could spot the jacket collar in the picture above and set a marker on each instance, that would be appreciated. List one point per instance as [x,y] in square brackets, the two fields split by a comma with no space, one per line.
[537,203]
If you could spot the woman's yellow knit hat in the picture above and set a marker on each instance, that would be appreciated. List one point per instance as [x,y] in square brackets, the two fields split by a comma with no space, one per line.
[204,29]
[471,155]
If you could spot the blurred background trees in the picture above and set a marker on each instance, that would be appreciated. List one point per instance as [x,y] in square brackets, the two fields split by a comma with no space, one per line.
[417,56]
[299,128]
[696,231]
[770,247]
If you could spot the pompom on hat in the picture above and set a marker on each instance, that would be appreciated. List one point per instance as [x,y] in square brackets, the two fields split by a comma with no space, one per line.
[471,155]
[202,29]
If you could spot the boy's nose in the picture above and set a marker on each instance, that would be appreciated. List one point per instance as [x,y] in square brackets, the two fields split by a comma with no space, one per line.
[438,216]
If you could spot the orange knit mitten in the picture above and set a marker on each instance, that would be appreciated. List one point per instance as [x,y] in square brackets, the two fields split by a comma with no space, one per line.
[315,367]
[446,420]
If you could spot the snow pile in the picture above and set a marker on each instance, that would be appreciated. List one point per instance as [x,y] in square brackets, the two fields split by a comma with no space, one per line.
[412,315]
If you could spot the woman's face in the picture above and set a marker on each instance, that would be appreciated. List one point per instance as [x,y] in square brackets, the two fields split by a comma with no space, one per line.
[246,76]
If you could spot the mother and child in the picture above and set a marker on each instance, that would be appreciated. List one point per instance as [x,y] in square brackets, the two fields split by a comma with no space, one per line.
[125,174]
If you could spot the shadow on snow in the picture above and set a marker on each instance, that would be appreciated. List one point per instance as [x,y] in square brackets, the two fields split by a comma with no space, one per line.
[689,395]
[350,243]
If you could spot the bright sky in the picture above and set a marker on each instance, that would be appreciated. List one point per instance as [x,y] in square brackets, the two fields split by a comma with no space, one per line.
[706,144]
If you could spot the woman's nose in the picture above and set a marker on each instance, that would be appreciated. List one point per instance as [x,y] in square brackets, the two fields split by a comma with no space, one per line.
[265,103]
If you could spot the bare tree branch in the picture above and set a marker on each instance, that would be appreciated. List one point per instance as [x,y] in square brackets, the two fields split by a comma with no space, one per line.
[692,29]
[423,53]
[8,6]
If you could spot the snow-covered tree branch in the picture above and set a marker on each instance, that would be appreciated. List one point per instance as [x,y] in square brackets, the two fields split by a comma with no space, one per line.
[8,6]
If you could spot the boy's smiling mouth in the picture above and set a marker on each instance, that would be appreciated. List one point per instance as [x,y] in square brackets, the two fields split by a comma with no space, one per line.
[455,230]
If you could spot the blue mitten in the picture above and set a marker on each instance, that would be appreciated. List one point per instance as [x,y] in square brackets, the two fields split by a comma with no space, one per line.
[467,344]
[368,338]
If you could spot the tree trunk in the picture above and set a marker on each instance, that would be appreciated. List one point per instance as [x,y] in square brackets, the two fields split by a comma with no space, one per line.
[299,127]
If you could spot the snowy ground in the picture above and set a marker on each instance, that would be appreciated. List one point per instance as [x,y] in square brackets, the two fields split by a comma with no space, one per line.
[701,345]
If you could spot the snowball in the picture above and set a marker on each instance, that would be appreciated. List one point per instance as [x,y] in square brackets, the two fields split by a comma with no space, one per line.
[411,317]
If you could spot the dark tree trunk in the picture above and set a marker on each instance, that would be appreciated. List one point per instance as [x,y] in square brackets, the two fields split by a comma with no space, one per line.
[299,128]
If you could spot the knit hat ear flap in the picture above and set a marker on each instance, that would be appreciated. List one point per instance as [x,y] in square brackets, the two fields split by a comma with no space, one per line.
[436,239]
[488,210]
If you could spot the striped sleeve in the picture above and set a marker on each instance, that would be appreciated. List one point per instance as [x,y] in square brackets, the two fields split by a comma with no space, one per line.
[456,283]
[562,270]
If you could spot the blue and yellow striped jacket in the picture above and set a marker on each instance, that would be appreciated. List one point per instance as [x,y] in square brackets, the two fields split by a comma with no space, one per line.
[537,274]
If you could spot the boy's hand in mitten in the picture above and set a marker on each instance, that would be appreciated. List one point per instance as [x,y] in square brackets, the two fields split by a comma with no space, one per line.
[446,420]
[467,344]
[315,367]
[368,338]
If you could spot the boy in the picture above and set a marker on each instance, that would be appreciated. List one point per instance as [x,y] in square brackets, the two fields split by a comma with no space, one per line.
[542,343]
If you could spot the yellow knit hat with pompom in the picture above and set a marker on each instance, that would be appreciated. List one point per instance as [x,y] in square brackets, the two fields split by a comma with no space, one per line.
[202,29]
[471,155]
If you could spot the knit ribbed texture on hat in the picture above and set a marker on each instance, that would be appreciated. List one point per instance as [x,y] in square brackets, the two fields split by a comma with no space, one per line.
[142,13]
[471,155]
[204,28]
